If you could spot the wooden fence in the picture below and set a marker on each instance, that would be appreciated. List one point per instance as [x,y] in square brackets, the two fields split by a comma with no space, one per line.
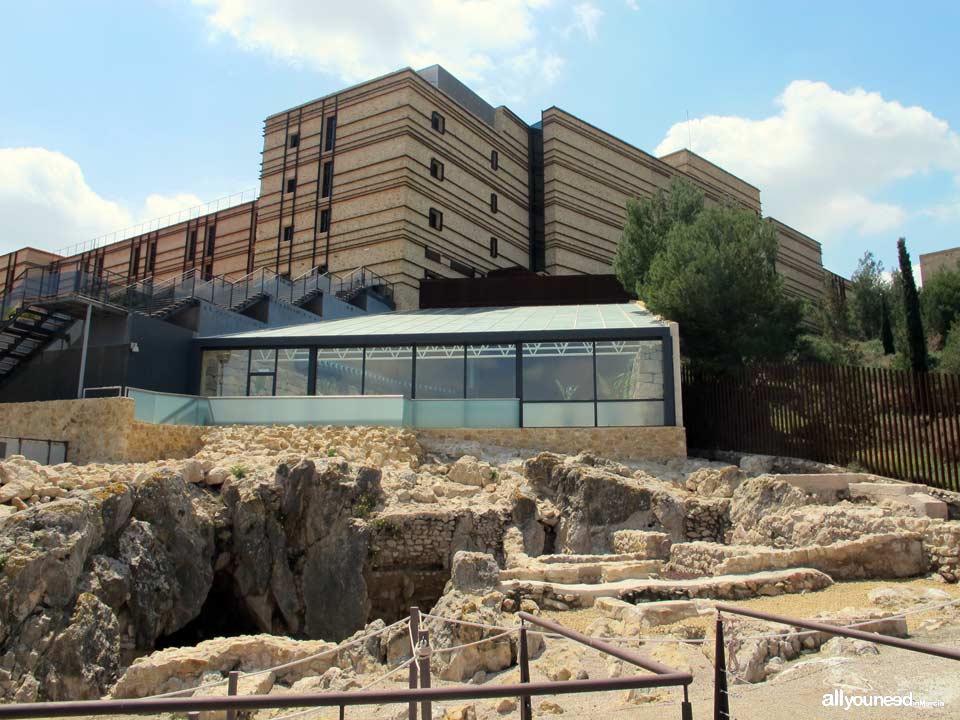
[894,423]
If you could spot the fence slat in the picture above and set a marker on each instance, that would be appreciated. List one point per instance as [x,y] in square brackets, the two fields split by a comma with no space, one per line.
[895,423]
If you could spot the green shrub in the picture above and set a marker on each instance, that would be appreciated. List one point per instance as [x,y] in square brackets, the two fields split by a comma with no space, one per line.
[819,348]
[363,506]
[332,452]
[950,357]
[239,472]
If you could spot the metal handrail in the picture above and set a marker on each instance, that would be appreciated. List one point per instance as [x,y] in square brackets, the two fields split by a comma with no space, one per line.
[663,676]
[721,702]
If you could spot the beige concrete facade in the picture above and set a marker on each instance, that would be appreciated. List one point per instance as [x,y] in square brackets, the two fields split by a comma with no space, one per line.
[930,263]
[376,143]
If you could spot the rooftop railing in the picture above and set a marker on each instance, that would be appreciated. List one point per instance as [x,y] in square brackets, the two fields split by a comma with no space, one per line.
[223,203]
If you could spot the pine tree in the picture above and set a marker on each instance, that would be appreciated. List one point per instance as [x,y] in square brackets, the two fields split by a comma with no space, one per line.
[916,339]
[886,332]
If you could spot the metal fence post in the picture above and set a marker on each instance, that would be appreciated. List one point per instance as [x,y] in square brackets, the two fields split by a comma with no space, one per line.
[423,660]
[721,702]
[414,678]
[233,683]
[526,710]
[686,709]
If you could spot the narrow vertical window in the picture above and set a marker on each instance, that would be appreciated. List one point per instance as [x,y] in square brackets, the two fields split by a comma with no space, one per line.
[135,262]
[494,159]
[151,257]
[436,169]
[288,233]
[291,185]
[437,122]
[191,245]
[211,239]
[493,202]
[436,219]
[293,140]
[327,179]
[208,271]
[331,132]
[324,220]
[493,247]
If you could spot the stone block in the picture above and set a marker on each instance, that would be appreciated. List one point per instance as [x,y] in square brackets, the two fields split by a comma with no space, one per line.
[909,494]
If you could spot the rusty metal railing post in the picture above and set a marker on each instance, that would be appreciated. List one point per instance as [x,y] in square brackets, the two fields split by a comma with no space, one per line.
[526,710]
[423,660]
[721,702]
[233,684]
[414,639]
[686,709]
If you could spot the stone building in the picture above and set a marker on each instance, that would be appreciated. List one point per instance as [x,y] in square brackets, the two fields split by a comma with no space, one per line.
[412,175]
[930,263]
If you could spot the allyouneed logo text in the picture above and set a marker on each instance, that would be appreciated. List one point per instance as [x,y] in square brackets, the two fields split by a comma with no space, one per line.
[840,699]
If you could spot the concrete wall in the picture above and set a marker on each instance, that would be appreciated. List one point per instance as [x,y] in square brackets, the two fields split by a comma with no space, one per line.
[99,430]
[635,443]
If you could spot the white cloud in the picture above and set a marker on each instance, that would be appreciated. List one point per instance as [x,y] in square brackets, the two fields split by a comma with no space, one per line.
[633,4]
[587,18]
[824,159]
[46,203]
[364,38]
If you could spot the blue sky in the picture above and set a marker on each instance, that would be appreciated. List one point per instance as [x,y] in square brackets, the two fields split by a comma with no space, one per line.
[846,115]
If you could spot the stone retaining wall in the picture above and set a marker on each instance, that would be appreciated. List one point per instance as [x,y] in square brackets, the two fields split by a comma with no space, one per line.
[615,443]
[99,430]
[891,555]
[430,539]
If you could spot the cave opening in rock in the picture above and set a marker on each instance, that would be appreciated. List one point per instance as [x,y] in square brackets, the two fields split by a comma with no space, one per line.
[549,539]
[394,591]
[223,615]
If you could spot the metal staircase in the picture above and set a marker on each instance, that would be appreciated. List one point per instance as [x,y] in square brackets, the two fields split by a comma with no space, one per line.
[353,286]
[42,303]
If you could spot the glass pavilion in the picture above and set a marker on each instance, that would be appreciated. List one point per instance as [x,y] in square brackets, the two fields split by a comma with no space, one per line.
[545,366]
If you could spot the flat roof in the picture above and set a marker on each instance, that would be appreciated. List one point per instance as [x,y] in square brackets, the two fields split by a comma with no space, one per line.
[461,325]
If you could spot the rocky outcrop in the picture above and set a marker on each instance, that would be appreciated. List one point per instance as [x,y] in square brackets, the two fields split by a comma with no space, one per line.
[597,500]
[84,577]
[758,497]
[298,547]
[457,663]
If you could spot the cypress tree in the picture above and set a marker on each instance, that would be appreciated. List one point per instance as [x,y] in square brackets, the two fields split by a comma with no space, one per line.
[916,339]
[886,332]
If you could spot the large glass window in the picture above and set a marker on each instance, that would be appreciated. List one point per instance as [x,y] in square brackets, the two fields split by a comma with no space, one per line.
[389,371]
[439,371]
[558,371]
[340,371]
[491,371]
[224,372]
[263,370]
[261,385]
[630,370]
[293,370]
